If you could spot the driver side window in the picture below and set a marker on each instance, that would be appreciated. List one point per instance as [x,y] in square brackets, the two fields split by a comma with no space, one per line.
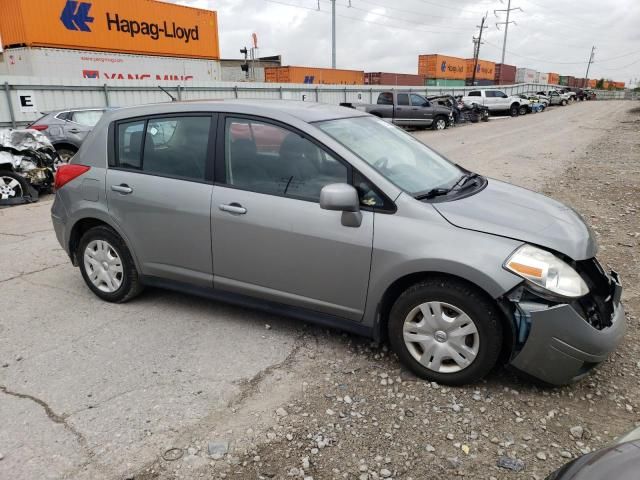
[266,158]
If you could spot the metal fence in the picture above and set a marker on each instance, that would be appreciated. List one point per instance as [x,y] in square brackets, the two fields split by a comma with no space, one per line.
[24,98]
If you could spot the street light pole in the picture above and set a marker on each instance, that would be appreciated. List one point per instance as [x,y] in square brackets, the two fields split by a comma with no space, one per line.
[333,33]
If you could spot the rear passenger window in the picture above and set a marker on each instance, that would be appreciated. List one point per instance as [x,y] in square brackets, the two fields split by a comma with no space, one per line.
[173,147]
[474,94]
[130,137]
[265,158]
[403,99]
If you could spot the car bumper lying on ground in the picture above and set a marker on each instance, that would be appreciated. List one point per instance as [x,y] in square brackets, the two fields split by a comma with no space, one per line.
[562,346]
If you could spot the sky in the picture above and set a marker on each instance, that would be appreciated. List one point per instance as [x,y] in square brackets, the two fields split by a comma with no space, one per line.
[388,35]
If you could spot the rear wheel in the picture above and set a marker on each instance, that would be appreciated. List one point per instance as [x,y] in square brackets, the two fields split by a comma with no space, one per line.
[522,110]
[563,103]
[440,123]
[65,155]
[514,110]
[12,186]
[107,266]
[446,331]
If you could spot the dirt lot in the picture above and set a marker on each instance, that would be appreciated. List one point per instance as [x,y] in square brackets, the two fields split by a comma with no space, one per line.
[174,387]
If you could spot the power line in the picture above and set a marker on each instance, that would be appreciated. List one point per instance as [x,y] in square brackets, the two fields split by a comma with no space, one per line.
[457,9]
[412,12]
[363,20]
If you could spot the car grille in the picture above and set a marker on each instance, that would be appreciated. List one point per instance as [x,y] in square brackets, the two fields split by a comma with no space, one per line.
[596,307]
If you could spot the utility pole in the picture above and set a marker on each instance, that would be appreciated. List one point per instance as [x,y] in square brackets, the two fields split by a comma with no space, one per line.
[333,33]
[506,24]
[477,41]
[586,76]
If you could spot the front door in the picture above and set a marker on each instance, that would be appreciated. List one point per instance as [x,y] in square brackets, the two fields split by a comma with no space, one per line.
[159,193]
[270,237]
[421,111]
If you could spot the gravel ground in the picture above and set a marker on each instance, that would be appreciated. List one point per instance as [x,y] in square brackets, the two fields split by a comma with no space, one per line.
[357,414]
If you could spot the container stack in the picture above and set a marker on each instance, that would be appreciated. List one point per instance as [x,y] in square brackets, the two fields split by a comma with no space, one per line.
[311,75]
[525,75]
[401,79]
[442,70]
[485,72]
[505,74]
[554,78]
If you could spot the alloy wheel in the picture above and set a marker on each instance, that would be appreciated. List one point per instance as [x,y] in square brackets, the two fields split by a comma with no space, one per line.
[103,266]
[441,124]
[10,188]
[441,337]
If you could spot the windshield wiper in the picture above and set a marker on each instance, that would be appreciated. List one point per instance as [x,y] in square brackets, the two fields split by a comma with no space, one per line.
[437,192]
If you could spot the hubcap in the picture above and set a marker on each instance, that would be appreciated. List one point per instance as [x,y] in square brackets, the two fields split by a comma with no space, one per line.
[10,188]
[441,124]
[103,266]
[441,337]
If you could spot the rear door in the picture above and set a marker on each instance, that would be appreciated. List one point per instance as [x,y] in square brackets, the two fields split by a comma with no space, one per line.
[403,114]
[159,186]
[476,96]
[270,237]
[421,110]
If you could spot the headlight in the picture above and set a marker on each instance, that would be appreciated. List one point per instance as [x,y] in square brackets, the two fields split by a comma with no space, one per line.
[544,270]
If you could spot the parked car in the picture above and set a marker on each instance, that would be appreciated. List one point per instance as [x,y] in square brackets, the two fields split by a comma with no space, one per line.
[67,129]
[531,103]
[351,223]
[535,98]
[555,97]
[620,461]
[496,101]
[571,95]
[590,95]
[407,110]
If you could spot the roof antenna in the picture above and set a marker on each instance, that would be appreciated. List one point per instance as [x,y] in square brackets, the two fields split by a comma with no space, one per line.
[173,99]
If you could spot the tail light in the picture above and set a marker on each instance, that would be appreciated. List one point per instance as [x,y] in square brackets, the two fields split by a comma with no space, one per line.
[40,128]
[68,172]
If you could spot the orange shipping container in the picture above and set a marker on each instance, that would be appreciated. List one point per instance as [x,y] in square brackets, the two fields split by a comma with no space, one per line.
[485,70]
[441,67]
[136,26]
[554,78]
[592,83]
[312,75]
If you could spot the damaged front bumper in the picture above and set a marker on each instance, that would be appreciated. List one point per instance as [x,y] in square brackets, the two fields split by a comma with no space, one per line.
[561,346]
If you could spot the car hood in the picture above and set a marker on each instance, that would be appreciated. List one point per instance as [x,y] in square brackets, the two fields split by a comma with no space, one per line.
[514,212]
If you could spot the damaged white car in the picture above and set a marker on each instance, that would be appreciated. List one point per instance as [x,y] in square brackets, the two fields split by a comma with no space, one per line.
[27,166]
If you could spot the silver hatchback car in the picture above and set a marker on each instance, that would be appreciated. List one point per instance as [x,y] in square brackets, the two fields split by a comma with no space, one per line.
[334,216]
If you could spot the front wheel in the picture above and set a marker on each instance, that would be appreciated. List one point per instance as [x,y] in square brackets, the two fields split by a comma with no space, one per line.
[12,186]
[440,123]
[445,331]
[563,103]
[514,110]
[107,266]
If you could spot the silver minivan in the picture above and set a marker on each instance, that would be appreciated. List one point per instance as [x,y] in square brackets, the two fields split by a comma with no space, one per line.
[334,216]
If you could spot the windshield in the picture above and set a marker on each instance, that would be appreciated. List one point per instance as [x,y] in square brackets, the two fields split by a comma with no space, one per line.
[397,155]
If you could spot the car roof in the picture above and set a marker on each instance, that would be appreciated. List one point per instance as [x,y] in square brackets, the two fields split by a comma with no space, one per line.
[308,112]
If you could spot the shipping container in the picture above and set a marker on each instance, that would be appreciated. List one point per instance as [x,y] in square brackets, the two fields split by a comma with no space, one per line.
[401,79]
[525,75]
[505,74]
[573,82]
[137,26]
[605,85]
[106,67]
[311,75]
[444,82]
[619,85]
[554,78]
[564,80]
[542,78]
[485,70]
[441,67]
[592,83]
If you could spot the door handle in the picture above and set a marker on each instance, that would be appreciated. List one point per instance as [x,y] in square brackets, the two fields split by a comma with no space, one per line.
[124,189]
[233,208]
[74,130]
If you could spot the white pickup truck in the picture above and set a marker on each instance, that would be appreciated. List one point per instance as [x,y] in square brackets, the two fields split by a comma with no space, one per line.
[496,101]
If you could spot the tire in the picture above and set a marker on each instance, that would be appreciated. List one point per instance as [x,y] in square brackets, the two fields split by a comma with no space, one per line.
[65,154]
[563,103]
[107,245]
[12,186]
[522,110]
[514,110]
[460,302]
[440,123]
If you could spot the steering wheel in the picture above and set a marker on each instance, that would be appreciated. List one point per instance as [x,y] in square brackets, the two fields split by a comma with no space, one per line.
[381,163]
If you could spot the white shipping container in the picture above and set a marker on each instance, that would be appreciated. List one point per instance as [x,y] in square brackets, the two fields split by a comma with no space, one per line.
[525,75]
[104,66]
[542,78]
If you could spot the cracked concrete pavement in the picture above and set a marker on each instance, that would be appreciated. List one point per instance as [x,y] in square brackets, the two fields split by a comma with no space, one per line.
[95,390]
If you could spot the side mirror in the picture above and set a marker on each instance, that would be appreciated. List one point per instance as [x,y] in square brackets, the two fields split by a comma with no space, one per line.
[343,198]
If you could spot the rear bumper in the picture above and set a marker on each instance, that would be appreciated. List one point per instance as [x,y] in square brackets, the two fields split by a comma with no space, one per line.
[562,347]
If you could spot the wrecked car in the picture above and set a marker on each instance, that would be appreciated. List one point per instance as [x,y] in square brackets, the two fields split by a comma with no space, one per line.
[335,216]
[27,166]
